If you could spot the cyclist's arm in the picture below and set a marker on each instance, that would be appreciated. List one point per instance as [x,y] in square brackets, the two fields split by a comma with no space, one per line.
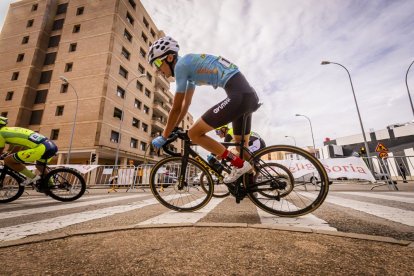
[186,104]
[174,113]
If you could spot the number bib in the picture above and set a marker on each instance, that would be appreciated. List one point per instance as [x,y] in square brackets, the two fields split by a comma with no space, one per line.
[36,138]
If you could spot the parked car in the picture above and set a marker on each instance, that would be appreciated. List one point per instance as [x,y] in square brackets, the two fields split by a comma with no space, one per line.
[307,178]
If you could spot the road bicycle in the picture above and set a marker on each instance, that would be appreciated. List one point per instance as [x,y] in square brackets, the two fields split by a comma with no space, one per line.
[63,184]
[276,184]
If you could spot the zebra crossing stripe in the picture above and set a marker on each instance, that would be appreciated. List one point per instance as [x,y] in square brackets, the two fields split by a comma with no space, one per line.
[385,212]
[39,227]
[184,217]
[380,196]
[58,207]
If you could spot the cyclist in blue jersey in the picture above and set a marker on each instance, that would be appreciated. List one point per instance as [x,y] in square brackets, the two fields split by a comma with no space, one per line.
[193,70]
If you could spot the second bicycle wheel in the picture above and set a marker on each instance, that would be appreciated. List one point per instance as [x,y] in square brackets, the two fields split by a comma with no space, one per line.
[220,189]
[65,184]
[297,185]
[180,196]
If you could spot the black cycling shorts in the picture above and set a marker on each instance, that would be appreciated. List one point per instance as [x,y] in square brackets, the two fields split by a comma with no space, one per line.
[241,100]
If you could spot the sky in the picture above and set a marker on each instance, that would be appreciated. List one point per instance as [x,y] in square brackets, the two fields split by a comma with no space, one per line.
[279,45]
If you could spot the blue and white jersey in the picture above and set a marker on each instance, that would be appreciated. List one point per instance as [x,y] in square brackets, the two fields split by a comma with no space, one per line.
[202,69]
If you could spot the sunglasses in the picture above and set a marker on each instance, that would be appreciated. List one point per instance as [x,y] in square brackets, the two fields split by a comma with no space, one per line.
[159,61]
[218,132]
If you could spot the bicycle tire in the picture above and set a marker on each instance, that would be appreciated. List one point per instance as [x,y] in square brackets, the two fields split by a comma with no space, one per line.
[166,188]
[220,189]
[299,201]
[285,176]
[68,184]
[7,192]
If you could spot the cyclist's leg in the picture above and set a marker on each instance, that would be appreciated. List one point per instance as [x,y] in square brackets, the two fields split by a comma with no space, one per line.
[16,160]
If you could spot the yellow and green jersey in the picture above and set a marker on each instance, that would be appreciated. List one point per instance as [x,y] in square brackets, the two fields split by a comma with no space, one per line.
[20,136]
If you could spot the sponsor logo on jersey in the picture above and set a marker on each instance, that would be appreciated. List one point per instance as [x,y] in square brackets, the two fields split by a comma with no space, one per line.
[221,106]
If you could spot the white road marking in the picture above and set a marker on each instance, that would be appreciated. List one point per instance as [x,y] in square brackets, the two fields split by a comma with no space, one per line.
[380,196]
[68,205]
[184,217]
[23,230]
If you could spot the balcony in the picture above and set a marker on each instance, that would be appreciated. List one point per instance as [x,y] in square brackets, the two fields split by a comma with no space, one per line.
[161,95]
[160,80]
[158,122]
[161,108]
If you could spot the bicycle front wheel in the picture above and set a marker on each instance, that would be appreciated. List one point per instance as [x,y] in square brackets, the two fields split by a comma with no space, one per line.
[65,184]
[10,188]
[289,181]
[181,195]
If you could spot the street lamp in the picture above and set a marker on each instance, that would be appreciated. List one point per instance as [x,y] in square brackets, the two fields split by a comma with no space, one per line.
[356,104]
[122,116]
[65,81]
[286,136]
[406,83]
[313,140]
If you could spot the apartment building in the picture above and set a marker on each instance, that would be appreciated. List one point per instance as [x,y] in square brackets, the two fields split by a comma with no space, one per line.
[113,100]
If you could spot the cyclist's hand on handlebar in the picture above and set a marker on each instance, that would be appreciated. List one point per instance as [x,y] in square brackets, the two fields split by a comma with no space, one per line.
[159,142]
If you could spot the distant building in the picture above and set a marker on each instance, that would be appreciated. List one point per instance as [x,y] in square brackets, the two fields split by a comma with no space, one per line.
[99,47]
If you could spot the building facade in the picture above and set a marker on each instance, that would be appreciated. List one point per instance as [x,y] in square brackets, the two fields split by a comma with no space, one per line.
[100,47]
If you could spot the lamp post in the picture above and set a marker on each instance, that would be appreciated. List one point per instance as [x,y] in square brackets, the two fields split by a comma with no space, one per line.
[356,104]
[65,81]
[122,116]
[313,140]
[408,90]
[287,136]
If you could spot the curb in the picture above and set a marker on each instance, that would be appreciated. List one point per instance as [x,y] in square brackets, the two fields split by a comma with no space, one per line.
[51,237]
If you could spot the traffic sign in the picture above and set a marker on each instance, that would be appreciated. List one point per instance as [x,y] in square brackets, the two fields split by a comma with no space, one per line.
[383,155]
[380,147]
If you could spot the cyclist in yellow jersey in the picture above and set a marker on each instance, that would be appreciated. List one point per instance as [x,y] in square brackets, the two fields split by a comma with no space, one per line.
[37,148]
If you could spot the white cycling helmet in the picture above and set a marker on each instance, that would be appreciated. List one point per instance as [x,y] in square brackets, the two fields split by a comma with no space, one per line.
[162,47]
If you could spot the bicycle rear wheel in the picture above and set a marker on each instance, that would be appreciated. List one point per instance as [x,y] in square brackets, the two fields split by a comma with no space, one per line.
[10,188]
[184,196]
[68,184]
[283,182]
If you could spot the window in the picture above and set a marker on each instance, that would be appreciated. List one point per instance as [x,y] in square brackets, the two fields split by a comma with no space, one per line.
[9,96]
[36,117]
[144,37]
[129,18]
[137,104]
[134,143]
[29,23]
[144,127]
[20,57]
[132,3]
[34,7]
[146,109]
[114,136]
[25,40]
[143,146]
[68,67]
[127,35]
[118,113]
[72,47]
[58,24]
[141,69]
[120,92]
[123,72]
[149,76]
[140,86]
[142,52]
[50,58]
[64,88]
[54,135]
[45,77]
[79,11]
[145,22]
[62,8]
[41,96]
[152,33]
[15,76]
[59,110]
[4,114]
[54,41]
[76,28]
[125,53]
[147,93]
[135,122]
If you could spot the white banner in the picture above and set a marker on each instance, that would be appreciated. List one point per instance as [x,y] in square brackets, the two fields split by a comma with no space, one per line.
[351,168]
[81,168]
